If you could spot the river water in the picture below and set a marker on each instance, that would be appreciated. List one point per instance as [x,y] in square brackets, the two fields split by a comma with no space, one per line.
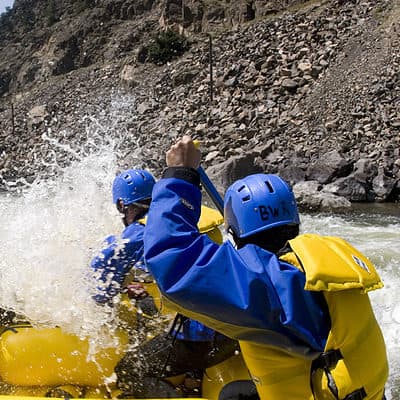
[50,231]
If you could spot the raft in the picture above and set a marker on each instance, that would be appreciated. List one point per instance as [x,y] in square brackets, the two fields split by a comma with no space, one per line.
[42,363]
[38,363]
[215,378]
[89,398]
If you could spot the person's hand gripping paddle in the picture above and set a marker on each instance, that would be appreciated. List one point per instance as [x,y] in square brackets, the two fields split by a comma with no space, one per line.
[185,153]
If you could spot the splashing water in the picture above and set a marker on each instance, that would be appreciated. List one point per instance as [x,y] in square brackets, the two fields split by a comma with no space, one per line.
[47,234]
[50,231]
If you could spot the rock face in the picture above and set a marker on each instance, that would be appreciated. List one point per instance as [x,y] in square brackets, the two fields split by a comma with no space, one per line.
[306,89]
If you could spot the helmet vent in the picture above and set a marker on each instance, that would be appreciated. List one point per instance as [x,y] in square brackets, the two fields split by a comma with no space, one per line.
[143,175]
[241,188]
[246,198]
[128,179]
[269,186]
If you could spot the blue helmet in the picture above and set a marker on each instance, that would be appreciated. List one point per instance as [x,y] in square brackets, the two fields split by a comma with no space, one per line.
[259,202]
[132,185]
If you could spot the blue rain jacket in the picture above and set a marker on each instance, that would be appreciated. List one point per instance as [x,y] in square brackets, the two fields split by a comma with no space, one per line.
[113,265]
[247,294]
[115,261]
[195,331]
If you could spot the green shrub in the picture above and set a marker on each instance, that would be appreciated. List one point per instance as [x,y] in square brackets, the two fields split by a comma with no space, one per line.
[166,46]
[5,19]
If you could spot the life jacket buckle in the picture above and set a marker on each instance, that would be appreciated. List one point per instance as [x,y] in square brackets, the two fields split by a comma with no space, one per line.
[358,394]
[327,359]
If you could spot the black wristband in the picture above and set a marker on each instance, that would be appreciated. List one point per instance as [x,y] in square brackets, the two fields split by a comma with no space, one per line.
[188,174]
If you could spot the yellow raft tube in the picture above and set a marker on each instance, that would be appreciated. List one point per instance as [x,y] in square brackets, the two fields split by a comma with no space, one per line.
[42,363]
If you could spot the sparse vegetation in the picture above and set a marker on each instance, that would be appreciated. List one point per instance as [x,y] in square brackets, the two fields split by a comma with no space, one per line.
[5,18]
[166,46]
[7,10]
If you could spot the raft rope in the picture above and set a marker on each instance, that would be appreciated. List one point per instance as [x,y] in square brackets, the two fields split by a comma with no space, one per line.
[13,328]
[173,332]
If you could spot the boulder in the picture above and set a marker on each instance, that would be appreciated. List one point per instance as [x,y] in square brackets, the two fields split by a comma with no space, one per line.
[292,174]
[37,115]
[227,172]
[128,77]
[383,186]
[309,197]
[349,187]
[328,167]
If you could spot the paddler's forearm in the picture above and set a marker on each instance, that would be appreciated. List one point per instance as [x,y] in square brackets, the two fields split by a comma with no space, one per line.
[170,229]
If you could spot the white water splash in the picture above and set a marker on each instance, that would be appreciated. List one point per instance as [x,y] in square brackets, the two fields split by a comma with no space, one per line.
[51,229]
[48,237]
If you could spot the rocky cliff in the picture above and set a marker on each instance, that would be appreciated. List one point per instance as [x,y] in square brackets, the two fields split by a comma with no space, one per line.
[309,89]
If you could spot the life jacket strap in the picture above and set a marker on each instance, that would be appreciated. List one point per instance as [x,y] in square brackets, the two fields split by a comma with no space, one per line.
[358,394]
[176,326]
[327,361]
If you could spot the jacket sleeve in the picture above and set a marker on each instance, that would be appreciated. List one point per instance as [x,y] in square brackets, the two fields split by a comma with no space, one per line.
[238,293]
[115,261]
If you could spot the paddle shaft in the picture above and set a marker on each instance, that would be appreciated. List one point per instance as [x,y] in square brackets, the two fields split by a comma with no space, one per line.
[209,186]
[211,190]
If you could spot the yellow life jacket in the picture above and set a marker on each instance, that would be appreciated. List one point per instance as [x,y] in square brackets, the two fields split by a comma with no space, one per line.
[354,360]
[210,220]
